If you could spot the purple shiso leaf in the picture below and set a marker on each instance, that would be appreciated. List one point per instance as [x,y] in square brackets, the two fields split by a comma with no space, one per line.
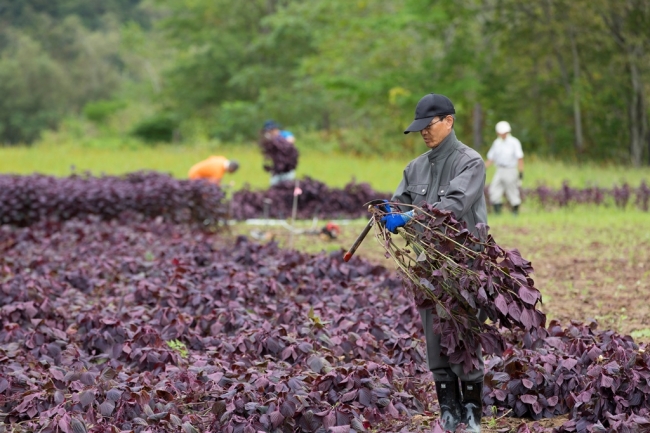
[156,329]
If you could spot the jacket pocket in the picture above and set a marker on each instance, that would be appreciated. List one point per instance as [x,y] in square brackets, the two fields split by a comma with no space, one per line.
[419,188]
[442,190]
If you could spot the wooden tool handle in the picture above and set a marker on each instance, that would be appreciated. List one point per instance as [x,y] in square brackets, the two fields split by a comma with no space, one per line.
[360,239]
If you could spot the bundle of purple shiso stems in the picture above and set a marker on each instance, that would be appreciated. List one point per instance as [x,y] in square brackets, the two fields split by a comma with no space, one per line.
[464,278]
[280,156]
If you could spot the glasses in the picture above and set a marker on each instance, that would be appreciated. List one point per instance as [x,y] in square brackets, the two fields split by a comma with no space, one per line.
[426,128]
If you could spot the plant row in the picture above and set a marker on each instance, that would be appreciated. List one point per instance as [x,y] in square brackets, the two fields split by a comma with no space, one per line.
[618,196]
[316,199]
[158,327]
[25,200]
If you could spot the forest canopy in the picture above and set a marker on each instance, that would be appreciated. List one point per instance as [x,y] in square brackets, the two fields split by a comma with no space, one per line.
[572,77]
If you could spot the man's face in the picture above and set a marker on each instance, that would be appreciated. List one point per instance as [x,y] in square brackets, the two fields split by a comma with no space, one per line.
[272,133]
[503,136]
[437,131]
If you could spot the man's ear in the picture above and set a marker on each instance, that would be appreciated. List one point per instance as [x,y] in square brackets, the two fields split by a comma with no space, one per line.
[449,121]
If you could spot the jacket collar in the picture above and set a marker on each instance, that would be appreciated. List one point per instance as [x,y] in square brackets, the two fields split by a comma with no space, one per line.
[444,149]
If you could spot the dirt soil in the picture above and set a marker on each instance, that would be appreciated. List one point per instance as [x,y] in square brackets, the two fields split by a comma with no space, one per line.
[584,279]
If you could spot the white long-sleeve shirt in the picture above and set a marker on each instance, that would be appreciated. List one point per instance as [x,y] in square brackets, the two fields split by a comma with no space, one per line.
[506,153]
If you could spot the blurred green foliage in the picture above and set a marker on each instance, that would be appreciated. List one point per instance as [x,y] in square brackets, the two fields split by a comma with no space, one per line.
[28,13]
[99,111]
[571,76]
[158,128]
[52,64]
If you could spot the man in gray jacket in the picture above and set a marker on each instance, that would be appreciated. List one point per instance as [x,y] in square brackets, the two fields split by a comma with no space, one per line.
[450,176]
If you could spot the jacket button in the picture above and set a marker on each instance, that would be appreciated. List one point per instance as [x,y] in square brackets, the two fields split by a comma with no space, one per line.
[423,190]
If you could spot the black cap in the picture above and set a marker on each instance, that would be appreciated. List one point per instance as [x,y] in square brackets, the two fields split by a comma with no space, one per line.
[270,124]
[233,165]
[430,106]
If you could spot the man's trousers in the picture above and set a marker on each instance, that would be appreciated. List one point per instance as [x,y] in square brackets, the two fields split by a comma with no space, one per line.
[438,363]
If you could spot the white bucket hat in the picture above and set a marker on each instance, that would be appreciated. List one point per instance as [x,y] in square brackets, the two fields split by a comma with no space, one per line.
[503,127]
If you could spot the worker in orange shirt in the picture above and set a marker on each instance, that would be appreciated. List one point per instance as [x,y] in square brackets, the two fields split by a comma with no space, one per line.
[213,169]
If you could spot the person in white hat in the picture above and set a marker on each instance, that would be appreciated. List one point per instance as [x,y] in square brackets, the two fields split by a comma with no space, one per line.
[507,155]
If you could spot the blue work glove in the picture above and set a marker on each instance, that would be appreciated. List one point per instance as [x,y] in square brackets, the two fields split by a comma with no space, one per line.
[384,207]
[394,220]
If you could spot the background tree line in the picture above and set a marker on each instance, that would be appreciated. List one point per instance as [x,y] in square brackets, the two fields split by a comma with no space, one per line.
[572,76]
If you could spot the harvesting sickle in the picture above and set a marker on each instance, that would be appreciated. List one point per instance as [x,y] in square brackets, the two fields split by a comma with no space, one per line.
[370,205]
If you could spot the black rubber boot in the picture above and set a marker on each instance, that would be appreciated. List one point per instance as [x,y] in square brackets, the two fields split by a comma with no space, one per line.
[472,406]
[497,208]
[515,210]
[449,401]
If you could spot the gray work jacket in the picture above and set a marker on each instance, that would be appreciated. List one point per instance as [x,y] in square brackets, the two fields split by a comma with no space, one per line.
[450,177]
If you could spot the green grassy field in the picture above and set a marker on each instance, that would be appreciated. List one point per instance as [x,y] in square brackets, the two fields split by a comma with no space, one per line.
[382,172]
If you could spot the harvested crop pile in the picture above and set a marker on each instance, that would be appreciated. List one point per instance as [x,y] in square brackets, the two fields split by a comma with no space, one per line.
[148,325]
[280,156]
[25,200]
[153,326]
[316,200]
[599,378]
